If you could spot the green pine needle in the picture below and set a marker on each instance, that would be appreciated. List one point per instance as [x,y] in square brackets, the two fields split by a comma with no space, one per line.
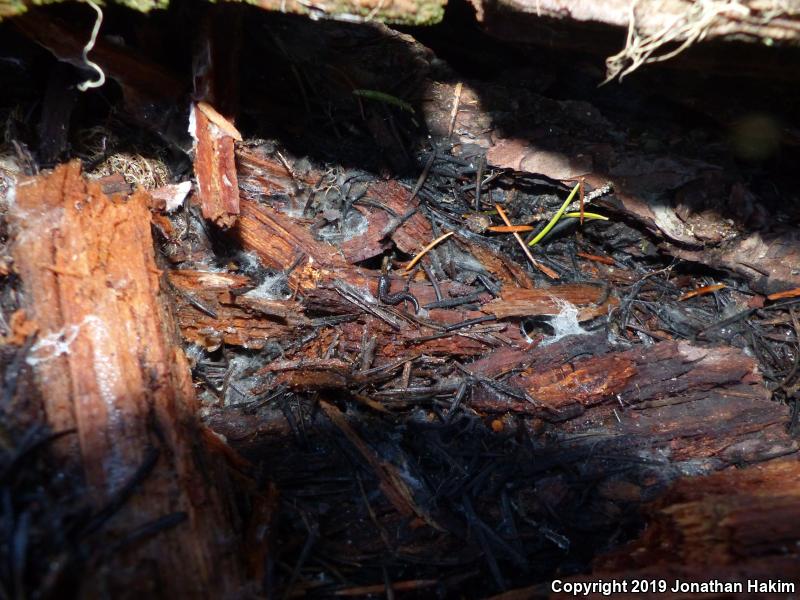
[555,218]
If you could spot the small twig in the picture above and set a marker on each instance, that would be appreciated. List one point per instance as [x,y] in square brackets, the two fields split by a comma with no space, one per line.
[454,112]
[434,283]
[470,322]
[453,302]
[423,176]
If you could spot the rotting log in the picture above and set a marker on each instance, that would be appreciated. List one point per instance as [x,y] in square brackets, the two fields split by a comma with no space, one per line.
[753,19]
[732,527]
[720,519]
[106,365]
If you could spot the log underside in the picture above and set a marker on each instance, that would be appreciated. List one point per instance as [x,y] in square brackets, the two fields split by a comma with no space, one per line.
[253,410]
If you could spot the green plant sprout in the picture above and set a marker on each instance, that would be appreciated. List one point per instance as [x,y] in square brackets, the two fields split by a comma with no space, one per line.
[384,97]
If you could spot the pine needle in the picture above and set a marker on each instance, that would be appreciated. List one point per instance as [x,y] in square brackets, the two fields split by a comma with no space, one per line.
[555,218]
[427,249]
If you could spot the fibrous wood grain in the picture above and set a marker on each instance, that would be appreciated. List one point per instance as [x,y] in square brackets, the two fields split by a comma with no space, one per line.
[106,365]
[214,165]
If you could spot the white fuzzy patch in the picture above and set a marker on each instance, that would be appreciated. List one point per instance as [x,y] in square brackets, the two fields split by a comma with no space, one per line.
[565,323]
[193,122]
[272,288]
[57,343]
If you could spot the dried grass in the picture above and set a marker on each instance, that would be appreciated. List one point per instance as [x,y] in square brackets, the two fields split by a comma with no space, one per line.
[137,170]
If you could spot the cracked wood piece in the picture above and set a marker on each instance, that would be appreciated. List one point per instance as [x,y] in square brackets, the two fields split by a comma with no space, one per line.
[215,166]
[278,240]
[551,300]
[269,175]
[106,364]
[700,403]
[732,526]
[371,235]
[208,314]
[638,375]
[409,237]
[718,519]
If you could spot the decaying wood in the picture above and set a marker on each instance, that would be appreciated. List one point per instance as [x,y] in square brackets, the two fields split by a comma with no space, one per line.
[462,410]
[106,365]
[384,223]
[551,300]
[387,209]
[215,165]
[706,404]
[210,312]
[703,403]
[733,526]
[721,520]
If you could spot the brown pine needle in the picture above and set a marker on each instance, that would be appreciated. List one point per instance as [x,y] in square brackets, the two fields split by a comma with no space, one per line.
[582,195]
[596,258]
[701,291]
[546,270]
[427,249]
[793,293]
[510,228]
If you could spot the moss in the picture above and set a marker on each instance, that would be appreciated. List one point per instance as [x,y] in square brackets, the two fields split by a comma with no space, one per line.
[144,5]
[399,12]
[416,12]
[9,8]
